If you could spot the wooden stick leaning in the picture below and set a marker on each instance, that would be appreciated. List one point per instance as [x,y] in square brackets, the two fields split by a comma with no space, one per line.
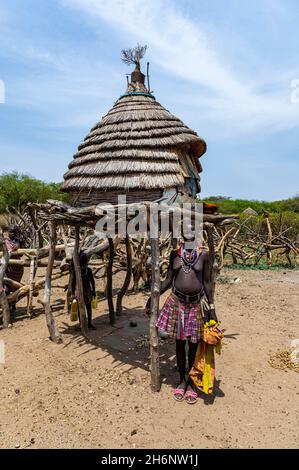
[110,282]
[127,280]
[79,285]
[52,327]
[155,296]
[3,298]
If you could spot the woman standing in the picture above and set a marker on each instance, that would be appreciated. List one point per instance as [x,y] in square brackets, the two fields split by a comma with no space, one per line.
[181,316]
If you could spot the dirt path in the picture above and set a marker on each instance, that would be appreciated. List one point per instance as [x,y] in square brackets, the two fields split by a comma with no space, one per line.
[98,395]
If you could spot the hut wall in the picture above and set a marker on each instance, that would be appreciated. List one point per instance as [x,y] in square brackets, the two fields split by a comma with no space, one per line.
[96,197]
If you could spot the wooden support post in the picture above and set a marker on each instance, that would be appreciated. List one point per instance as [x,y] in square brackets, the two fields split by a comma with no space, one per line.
[31,286]
[127,280]
[38,236]
[109,282]
[269,241]
[155,296]
[3,299]
[213,262]
[79,285]
[53,330]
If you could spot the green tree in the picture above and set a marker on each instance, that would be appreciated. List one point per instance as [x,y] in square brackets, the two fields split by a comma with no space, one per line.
[236,206]
[17,190]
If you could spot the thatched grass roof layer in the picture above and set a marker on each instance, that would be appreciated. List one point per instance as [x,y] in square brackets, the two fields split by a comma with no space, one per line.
[137,145]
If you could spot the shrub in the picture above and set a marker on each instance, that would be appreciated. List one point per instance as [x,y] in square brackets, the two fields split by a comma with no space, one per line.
[17,190]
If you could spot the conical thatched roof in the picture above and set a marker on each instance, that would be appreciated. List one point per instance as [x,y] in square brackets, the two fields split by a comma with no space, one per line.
[137,146]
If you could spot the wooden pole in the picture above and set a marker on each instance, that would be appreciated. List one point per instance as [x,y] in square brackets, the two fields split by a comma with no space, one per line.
[41,252]
[269,240]
[79,285]
[31,286]
[3,298]
[110,282]
[53,330]
[38,263]
[38,243]
[23,290]
[127,280]
[155,296]
[213,262]
[38,235]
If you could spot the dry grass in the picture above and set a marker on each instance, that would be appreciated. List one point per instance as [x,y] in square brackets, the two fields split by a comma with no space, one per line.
[283,360]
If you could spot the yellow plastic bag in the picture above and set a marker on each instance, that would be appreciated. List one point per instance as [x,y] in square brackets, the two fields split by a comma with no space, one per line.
[94,302]
[74,310]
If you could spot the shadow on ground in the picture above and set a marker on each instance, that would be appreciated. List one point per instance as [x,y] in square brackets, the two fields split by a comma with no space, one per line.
[129,345]
[126,344]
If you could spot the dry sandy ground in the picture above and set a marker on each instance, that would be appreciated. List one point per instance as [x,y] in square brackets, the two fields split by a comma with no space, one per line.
[98,395]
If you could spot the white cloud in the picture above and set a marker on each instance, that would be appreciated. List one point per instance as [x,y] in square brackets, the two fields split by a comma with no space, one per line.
[179,45]
[176,44]
[66,87]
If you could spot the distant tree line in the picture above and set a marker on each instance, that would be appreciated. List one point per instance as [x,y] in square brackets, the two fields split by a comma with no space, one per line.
[236,206]
[283,215]
[17,190]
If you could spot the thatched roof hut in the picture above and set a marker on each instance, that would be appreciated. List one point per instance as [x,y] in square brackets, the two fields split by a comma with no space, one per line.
[139,149]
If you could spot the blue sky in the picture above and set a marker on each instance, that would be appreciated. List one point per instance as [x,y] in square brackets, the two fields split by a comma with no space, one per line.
[224,67]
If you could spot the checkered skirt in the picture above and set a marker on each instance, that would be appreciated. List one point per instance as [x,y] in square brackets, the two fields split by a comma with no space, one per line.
[181,320]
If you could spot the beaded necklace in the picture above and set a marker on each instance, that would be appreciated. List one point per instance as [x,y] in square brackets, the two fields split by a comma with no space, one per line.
[188,259]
